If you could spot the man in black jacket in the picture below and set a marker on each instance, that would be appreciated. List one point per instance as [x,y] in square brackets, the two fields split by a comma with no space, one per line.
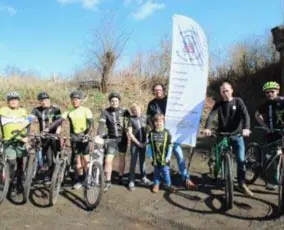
[233,117]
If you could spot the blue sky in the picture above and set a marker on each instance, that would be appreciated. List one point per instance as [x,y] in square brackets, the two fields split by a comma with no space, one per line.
[50,36]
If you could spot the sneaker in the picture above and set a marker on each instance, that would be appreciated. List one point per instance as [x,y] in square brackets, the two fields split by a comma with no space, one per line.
[120,180]
[155,188]
[77,185]
[131,186]
[146,181]
[244,189]
[271,187]
[171,189]
[13,190]
[189,185]
[107,186]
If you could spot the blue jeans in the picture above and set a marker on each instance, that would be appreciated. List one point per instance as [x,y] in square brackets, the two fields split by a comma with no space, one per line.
[165,170]
[135,152]
[180,161]
[238,145]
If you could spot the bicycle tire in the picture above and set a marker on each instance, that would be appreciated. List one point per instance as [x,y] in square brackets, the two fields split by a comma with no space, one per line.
[5,178]
[252,162]
[90,178]
[281,187]
[229,180]
[30,167]
[57,178]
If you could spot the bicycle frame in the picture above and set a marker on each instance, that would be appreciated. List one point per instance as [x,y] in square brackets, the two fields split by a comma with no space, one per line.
[221,147]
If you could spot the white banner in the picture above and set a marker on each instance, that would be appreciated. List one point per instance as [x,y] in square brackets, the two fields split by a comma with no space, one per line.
[188,80]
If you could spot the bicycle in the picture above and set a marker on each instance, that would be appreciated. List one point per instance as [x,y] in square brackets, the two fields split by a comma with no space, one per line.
[4,173]
[257,162]
[95,176]
[62,165]
[220,159]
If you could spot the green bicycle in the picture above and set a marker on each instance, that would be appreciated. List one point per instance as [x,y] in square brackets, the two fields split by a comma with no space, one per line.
[220,162]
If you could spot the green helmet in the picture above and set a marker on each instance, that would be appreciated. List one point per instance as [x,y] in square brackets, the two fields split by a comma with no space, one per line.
[270,85]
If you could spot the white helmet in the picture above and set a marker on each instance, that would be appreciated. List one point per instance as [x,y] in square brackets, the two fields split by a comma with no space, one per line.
[12,95]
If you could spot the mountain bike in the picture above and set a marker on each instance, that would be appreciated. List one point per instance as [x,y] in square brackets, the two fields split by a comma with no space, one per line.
[220,162]
[4,173]
[61,169]
[259,159]
[94,181]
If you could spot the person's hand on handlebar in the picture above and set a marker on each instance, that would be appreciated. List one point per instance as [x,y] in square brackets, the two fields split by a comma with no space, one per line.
[246,132]
[207,132]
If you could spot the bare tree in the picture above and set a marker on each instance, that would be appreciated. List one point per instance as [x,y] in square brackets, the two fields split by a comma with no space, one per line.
[108,43]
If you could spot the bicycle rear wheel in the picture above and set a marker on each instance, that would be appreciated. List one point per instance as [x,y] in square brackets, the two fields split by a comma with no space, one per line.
[228,180]
[28,175]
[94,185]
[252,162]
[4,180]
[56,181]
[281,187]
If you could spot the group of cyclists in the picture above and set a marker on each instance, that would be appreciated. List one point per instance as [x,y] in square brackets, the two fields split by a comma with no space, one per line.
[146,135]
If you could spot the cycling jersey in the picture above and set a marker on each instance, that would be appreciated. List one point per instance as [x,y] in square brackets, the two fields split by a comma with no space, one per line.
[115,120]
[272,112]
[160,141]
[80,119]
[12,120]
[46,116]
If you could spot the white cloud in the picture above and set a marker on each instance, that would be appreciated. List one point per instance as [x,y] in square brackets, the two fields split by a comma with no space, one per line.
[147,8]
[87,4]
[5,9]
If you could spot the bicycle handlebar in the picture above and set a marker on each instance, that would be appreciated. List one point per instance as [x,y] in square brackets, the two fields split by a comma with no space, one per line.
[270,130]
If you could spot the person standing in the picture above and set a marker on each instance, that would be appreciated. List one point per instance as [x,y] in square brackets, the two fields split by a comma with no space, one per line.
[233,117]
[114,118]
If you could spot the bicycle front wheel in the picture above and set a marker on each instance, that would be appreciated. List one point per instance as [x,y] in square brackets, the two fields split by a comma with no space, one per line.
[281,186]
[94,185]
[252,162]
[228,180]
[4,180]
[29,172]
[56,181]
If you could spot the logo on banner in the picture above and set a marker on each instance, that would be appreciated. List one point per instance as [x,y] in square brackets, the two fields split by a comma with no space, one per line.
[192,51]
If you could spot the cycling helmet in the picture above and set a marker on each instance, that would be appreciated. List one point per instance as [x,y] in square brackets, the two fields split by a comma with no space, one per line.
[76,94]
[12,95]
[113,94]
[42,96]
[270,85]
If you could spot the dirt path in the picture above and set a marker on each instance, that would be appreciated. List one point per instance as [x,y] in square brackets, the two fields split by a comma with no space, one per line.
[121,209]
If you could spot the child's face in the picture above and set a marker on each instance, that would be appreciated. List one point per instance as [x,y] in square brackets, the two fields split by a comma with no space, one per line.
[136,111]
[159,124]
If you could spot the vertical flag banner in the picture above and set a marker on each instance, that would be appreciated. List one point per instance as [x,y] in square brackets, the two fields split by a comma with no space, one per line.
[188,80]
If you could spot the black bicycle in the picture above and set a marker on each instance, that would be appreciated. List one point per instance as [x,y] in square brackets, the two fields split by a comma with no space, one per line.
[61,169]
[259,159]
[4,173]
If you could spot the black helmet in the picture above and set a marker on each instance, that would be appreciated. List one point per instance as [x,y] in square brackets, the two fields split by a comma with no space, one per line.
[113,94]
[42,96]
[76,94]
[12,95]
